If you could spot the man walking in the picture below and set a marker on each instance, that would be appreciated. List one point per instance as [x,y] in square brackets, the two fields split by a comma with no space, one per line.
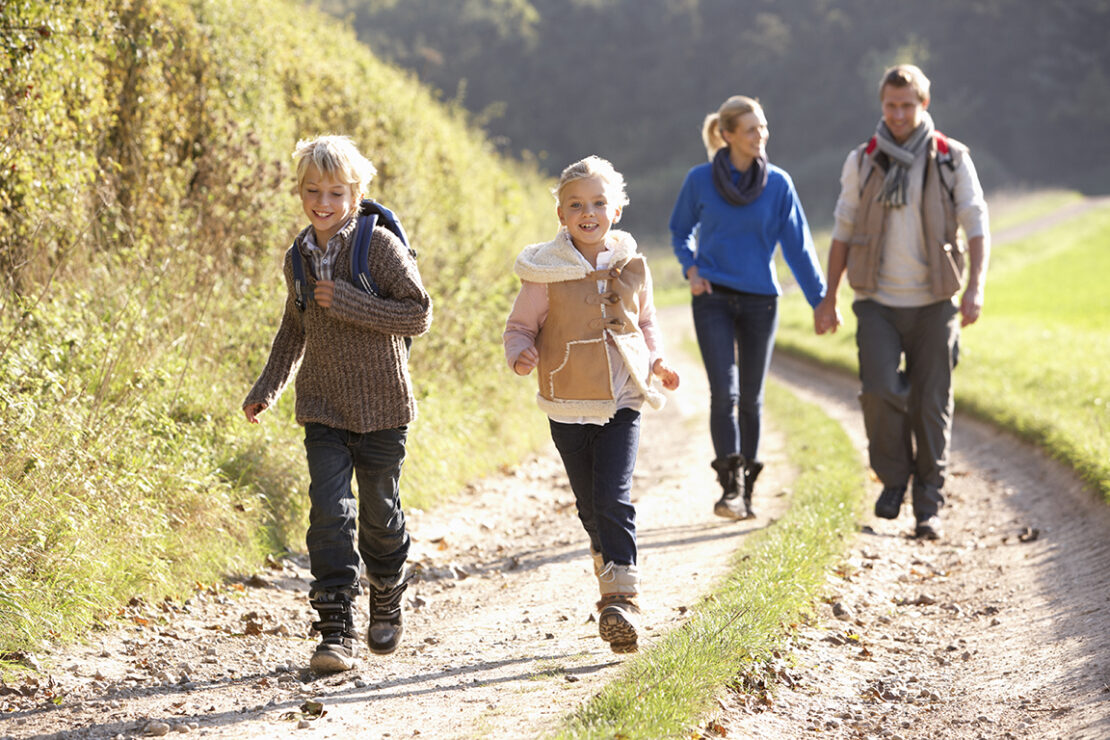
[904,194]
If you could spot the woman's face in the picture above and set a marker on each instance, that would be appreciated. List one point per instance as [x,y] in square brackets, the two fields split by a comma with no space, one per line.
[748,138]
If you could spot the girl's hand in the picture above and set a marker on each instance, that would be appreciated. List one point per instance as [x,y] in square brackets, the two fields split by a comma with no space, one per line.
[665,373]
[698,285]
[252,410]
[526,361]
[325,291]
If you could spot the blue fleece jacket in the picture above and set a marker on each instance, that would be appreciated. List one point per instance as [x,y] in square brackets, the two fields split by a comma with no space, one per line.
[734,246]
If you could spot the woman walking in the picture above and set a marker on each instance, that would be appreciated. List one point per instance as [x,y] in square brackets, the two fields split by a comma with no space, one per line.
[730,215]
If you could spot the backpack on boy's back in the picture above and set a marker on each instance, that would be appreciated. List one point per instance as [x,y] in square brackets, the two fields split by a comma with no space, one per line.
[370,213]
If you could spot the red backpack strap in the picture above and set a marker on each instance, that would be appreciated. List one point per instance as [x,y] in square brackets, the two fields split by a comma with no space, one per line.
[872,144]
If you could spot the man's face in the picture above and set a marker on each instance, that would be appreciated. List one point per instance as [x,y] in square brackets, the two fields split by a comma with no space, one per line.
[902,111]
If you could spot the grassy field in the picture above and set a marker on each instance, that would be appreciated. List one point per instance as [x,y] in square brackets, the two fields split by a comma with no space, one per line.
[1036,362]
[776,576]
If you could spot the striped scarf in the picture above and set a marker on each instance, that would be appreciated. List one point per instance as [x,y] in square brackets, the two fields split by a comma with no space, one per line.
[893,192]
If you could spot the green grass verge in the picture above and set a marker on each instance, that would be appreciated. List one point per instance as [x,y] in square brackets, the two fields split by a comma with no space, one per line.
[664,691]
[1037,361]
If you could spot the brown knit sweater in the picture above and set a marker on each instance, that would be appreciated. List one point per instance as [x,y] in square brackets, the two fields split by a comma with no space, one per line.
[350,359]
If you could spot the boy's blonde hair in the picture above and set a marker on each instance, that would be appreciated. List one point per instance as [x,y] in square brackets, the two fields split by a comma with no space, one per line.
[336,157]
[726,117]
[906,75]
[602,169]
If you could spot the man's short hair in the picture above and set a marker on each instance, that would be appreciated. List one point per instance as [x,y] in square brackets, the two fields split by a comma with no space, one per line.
[906,75]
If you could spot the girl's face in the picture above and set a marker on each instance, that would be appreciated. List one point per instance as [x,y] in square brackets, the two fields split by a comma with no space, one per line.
[327,202]
[585,210]
[748,139]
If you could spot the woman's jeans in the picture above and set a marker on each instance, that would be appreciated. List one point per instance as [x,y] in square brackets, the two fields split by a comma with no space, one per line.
[736,333]
[375,458]
[599,460]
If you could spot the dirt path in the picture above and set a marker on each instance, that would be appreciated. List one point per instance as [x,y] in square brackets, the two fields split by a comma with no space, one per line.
[500,638]
[1000,629]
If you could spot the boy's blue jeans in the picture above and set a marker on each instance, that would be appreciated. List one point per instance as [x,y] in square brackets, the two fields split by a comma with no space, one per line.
[375,458]
[599,460]
[736,333]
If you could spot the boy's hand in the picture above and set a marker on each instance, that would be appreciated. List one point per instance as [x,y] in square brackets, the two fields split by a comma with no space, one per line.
[325,291]
[665,373]
[252,410]
[526,361]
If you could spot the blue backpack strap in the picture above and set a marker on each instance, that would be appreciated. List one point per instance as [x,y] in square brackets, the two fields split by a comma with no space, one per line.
[371,214]
[299,283]
[360,253]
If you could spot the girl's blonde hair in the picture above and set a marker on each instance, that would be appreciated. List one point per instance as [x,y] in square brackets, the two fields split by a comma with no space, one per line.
[602,169]
[906,75]
[336,157]
[726,118]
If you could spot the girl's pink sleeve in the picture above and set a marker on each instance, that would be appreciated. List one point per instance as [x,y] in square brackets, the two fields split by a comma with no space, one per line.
[528,314]
[650,329]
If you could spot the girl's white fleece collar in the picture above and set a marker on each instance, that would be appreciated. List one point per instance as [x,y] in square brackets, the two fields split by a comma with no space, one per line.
[557,261]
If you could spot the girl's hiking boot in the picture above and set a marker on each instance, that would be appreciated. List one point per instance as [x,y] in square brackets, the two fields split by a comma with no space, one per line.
[616,621]
[337,649]
[386,627]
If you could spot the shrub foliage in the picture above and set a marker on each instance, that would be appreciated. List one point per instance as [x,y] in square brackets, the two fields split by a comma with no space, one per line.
[145,202]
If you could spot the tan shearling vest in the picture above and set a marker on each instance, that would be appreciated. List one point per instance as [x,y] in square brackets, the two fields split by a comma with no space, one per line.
[575,377]
[943,251]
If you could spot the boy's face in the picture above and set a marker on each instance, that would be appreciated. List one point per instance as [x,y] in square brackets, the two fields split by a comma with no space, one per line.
[327,202]
[585,210]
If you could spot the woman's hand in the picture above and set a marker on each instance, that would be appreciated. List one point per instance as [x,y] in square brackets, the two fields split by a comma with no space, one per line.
[526,361]
[826,317]
[698,285]
[665,373]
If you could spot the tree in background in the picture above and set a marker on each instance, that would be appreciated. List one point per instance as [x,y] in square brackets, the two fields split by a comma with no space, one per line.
[1026,83]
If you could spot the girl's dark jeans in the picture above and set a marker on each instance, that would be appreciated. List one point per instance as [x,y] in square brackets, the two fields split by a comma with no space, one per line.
[375,459]
[599,460]
[736,333]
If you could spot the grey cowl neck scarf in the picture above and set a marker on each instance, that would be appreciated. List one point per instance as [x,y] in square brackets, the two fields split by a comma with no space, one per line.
[900,157]
[752,180]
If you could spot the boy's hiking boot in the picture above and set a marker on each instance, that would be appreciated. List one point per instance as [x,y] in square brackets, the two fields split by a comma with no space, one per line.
[337,649]
[732,504]
[890,502]
[386,627]
[616,621]
[752,469]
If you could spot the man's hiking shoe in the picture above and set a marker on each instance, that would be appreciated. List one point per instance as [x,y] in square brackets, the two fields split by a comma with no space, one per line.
[890,502]
[384,634]
[928,529]
[337,650]
[616,621]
